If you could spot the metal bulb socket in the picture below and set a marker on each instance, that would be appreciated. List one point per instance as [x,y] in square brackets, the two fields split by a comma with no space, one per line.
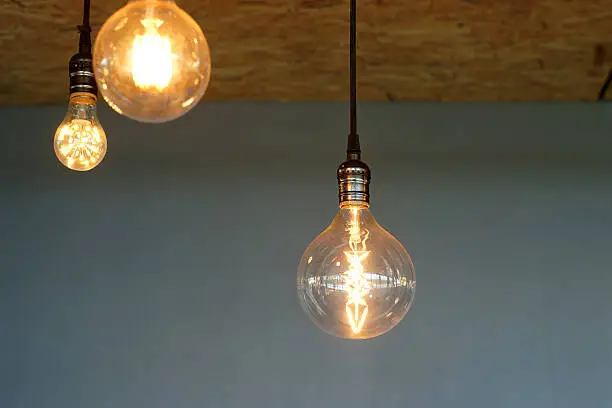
[82,77]
[354,184]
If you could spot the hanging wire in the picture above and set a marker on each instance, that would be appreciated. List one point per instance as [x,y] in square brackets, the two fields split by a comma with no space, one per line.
[353,150]
[85,30]
[86,7]
[604,88]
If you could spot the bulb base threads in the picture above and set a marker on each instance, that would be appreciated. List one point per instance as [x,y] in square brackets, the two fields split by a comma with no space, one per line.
[82,77]
[354,184]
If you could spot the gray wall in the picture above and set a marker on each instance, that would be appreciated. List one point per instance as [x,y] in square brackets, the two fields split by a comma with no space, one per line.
[166,277]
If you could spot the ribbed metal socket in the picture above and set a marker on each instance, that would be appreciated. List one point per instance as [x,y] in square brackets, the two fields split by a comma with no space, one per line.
[82,77]
[354,183]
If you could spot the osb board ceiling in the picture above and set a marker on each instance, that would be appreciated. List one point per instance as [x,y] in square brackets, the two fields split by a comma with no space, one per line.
[436,50]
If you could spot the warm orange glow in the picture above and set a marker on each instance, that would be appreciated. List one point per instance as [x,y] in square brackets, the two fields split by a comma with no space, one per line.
[358,285]
[152,57]
[80,144]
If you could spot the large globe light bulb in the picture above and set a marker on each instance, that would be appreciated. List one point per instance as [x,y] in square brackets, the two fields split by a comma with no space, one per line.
[355,280]
[152,61]
[80,142]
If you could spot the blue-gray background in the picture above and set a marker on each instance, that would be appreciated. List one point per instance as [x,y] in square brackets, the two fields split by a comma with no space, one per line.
[166,277]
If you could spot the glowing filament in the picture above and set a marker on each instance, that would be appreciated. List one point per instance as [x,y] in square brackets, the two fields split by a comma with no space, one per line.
[80,142]
[358,285]
[152,57]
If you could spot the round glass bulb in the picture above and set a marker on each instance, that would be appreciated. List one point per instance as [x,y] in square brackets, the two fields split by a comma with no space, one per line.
[80,141]
[355,280]
[152,61]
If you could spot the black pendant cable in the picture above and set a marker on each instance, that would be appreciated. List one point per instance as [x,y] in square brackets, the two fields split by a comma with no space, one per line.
[81,66]
[80,141]
[605,87]
[353,149]
[353,174]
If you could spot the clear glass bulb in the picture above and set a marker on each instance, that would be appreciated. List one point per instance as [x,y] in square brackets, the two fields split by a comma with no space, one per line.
[355,280]
[152,61]
[80,141]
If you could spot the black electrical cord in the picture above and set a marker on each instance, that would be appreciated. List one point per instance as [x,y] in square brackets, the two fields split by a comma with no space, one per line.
[353,150]
[604,88]
[80,67]
[85,30]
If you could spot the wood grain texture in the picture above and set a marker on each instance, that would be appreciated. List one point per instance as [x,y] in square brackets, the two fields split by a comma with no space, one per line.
[435,50]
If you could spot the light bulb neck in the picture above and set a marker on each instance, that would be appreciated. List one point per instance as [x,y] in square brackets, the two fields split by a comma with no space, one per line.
[83,98]
[82,105]
[354,184]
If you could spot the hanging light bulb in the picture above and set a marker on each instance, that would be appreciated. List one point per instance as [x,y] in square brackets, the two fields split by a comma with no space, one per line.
[152,61]
[80,141]
[355,280]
